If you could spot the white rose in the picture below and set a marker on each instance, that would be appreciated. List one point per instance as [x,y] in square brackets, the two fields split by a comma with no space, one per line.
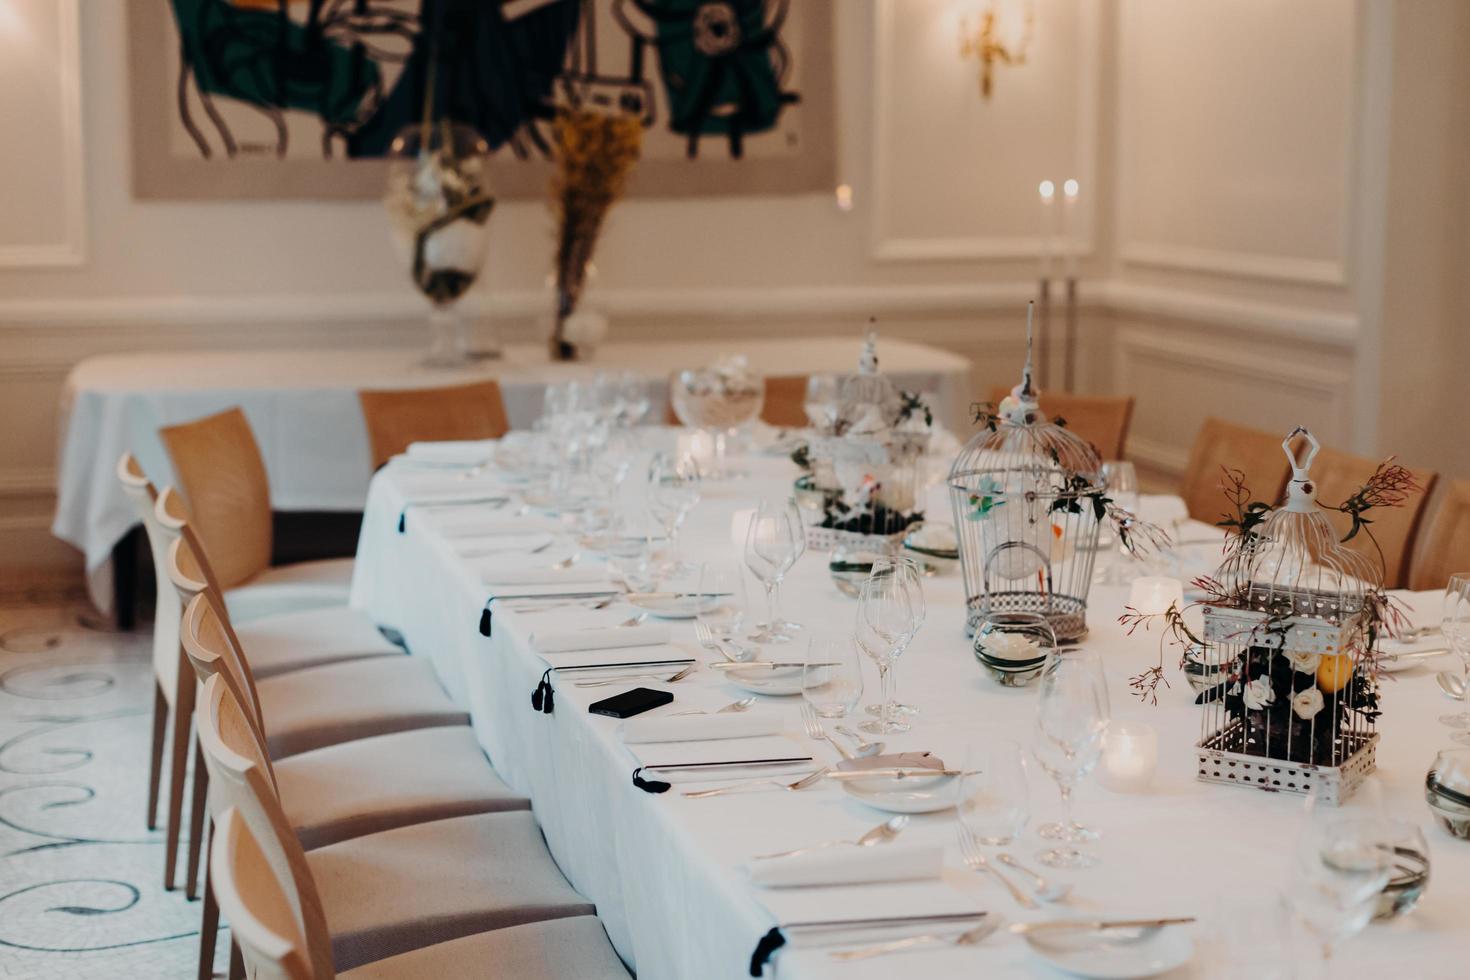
[1258,694]
[1307,703]
[584,328]
[1011,646]
[1304,661]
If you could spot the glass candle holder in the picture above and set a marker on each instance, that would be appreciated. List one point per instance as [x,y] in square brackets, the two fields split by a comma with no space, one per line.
[1152,595]
[1130,756]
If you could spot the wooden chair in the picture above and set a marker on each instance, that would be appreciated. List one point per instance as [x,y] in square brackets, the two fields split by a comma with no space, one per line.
[1102,420]
[1222,444]
[784,405]
[1444,547]
[223,481]
[1394,529]
[396,418]
[386,893]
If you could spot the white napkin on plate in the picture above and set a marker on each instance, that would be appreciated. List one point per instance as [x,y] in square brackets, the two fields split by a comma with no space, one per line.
[468,451]
[843,865]
[535,570]
[695,728]
[599,638]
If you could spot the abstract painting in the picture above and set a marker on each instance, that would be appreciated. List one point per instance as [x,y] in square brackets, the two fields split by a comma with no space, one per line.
[302,98]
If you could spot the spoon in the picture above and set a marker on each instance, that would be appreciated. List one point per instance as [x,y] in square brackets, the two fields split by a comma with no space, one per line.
[1451,685]
[733,708]
[566,562]
[967,938]
[881,834]
[1046,890]
[864,747]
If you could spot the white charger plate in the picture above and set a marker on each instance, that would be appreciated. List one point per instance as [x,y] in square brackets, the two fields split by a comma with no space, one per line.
[678,607]
[911,794]
[778,682]
[1095,957]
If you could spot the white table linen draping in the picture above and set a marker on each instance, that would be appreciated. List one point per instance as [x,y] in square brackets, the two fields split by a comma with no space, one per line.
[303,408]
[667,873]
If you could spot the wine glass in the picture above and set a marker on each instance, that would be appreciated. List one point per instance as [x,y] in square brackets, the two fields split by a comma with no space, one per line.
[832,676]
[793,513]
[636,399]
[898,707]
[773,540]
[1071,716]
[822,401]
[1120,482]
[727,617]
[1455,624]
[890,612]
[993,803]
[1344,859]
[673,491]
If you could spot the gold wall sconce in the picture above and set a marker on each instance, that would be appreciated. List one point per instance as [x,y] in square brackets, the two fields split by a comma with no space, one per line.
[996,32]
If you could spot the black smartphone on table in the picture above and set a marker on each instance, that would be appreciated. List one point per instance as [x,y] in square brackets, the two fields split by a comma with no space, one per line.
[630,703]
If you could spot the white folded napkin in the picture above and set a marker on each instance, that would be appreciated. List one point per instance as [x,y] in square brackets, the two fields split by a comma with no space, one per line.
[458,524]
[695,728]
[599,638]
[846,865]
[538,571]
[468,451]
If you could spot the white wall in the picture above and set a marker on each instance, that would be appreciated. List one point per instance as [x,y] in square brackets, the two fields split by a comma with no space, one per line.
[1236,201]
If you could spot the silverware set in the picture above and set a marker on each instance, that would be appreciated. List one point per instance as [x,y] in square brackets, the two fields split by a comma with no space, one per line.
[975,860]
[805,782]
[734,707]
[641,675]
[881,834]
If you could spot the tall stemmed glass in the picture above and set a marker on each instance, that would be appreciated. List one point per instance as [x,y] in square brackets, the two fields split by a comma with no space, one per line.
[1071,716]
[793,514]
[773,541]
[1120,567]
[1455,624]
[673,490]
[890,612]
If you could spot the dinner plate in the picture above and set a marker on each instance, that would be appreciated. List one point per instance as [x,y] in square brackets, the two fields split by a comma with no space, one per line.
[1095,956]
[910,794]
[678,607]
[764,680]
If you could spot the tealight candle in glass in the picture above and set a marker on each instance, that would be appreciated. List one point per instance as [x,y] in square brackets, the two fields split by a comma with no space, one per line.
[1130,756]
[1153,595]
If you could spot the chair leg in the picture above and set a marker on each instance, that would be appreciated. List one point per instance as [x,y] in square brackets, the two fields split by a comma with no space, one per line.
[237,962]
[198,812]
[155,759]
[208,928]
[178,762]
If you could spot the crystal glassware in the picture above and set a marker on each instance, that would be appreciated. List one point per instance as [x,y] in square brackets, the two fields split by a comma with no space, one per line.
[717,400]
[673,491]
[1071,716]
[1455,624]
[890,612]
[822,401]
[727,617]
[439,202]
[773,540]
[832,676]
[1120,480]
[1014,647]
[993,802]
[1344,860]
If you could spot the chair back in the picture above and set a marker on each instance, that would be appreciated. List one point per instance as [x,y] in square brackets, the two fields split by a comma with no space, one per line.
[785,402]
[166,608]
[1221,445]
[223,481]
[396,418]
[1102,420]
[263,921]
[1445,544]
[1392,534]
[212,650]
[240,779]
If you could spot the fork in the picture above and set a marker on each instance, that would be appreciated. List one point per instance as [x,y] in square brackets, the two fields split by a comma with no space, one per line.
[634,677]
[706,638]
[967,938]
[975,860]
[815,731]
[810,779]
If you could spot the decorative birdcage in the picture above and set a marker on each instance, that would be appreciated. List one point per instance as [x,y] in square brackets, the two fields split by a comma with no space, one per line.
[1292,623]
[867,465]
[1028,500]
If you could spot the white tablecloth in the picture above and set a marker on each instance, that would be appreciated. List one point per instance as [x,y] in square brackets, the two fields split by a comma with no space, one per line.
[303,408]
[665,872]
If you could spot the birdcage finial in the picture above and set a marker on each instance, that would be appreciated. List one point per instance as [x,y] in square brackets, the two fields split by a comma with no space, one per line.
[868,362]
[1301,496]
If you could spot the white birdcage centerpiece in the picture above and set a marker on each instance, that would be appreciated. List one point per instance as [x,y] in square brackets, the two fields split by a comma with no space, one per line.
[866,466]
[1293,617]
[1028,502]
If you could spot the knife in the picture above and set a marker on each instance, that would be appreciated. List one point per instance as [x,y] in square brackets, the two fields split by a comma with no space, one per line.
[1414,654]
[655,596]
[892,920]
[1022,928]
[769,664]
[627,663]
[898,773]
[732,764]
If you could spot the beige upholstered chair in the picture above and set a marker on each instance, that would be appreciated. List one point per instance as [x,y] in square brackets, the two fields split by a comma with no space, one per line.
[1444,547]
[1394,529]
[1102,420]
[785,404]
[396,418]
[223,481]
[387,893]
[1223,444]
[271,933]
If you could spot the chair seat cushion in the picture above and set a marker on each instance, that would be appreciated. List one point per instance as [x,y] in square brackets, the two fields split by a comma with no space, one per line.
[554,950]
[311,709]
[429,883]
[288,588]
[376,784]
[311,638]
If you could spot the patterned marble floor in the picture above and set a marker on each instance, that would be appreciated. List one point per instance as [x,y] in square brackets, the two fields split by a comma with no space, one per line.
[81,893]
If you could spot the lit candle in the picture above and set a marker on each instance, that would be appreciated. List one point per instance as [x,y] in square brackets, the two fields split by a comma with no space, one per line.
[1048,192]
[1130,756]
[1152,595]
[1070,191]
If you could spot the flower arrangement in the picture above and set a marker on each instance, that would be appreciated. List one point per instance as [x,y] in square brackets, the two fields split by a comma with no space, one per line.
[595,153]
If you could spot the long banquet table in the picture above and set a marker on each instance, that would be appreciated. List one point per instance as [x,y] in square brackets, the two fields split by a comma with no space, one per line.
[303,408]
[666,873]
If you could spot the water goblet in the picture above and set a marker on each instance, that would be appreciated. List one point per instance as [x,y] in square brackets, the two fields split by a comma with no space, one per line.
[993,803]
[832,676]
[890,612]
[773,540]
[1071,716]
[1455,624]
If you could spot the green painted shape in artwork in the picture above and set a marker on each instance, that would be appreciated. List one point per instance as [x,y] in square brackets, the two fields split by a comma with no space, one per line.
[247,55]
[685,71]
